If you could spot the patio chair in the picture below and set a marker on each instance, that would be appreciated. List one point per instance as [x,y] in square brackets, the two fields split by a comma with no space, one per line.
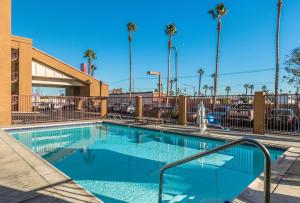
[114,116]
[153,117]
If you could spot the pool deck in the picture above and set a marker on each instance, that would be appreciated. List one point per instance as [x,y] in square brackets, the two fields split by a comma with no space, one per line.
[25,177]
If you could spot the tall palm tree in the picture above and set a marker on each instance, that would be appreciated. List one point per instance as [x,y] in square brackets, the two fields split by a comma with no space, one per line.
[201,72]
[251,87]
[131,28]
[279,6]
[170,31]
[211,88]
[205,87]
[246,86]
[93,68]
[217,13]
[90,55]
[228,89]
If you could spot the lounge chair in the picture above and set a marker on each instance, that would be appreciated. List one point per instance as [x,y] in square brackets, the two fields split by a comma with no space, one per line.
[114,116]
[153,117]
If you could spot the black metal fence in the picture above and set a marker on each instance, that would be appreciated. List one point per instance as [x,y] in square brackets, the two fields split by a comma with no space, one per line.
[43,109]
[282,114]
[233,112]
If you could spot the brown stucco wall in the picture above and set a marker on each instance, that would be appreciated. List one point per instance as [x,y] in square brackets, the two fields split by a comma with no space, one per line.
[5,62]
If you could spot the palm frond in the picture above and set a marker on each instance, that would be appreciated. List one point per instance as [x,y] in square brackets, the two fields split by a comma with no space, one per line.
[213,14]
[171,29]
[131,27]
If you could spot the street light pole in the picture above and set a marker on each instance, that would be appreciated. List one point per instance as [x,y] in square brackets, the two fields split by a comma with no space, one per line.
[159,80]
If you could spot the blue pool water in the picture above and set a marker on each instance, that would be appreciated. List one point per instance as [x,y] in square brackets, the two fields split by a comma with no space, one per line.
[121,164]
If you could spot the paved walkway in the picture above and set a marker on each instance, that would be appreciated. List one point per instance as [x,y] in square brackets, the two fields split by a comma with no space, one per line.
[25,177]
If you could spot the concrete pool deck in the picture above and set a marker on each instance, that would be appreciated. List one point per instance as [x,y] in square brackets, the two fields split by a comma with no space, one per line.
[25,177]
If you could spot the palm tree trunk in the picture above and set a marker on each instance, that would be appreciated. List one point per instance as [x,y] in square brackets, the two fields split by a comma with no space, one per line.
[246,91]
[199,88]
[169,68]
[130,63]
[227,94]
[90,66]
[217,64]
[205,92]
[279,5]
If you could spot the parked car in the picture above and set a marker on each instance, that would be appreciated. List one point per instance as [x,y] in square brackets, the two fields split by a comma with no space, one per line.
[192,114]
[130,109]
[283,119]
[116,107]
[218,115]
[241,112]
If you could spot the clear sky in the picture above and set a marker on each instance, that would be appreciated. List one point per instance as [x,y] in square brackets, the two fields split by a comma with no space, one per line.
[65,29]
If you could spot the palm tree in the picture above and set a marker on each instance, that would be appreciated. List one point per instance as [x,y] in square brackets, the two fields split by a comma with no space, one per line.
[90,55]
[131,28]
[264,88]
[170,31]
[93,68]
[246,86]
[201,72]
[279,6]
[211,88]
[217,13]
[228,89]
[205,87]
[251,87]
[171,89]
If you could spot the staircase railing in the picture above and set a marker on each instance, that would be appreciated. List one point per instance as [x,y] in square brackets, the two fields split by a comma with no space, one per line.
[267,170]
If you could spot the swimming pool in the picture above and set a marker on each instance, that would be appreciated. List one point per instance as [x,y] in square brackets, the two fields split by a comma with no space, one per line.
[121,164]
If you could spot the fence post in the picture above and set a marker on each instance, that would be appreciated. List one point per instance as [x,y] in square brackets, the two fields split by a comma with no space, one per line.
[139,106]
[259,113]
[103,102]
[182,108]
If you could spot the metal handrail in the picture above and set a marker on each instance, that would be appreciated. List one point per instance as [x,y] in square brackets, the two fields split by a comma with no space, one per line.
[267,172]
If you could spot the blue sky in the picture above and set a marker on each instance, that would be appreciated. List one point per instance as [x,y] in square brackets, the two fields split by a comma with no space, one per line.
[65,29]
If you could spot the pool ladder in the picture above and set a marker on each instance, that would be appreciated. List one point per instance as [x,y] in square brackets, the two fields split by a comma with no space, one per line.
[267,172]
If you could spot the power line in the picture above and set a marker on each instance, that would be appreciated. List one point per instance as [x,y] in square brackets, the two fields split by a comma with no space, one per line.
[196,76]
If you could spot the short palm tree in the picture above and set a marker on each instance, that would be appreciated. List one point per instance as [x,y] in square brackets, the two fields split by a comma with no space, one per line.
[211,88]
[217,13]
[200,72]
[246,86]
[131,28]
[205,87]
[93,68]
[251,87]
[264,88]
[170,31]
[279,6]
[228,89]
[171,89]
[90,55]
